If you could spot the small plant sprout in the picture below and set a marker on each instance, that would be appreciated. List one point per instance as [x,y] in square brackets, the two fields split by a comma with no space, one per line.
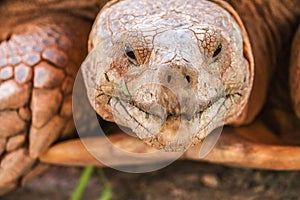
[82,183]
[106,193]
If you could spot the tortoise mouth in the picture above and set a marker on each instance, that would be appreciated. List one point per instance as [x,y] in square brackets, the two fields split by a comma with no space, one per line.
[171,133]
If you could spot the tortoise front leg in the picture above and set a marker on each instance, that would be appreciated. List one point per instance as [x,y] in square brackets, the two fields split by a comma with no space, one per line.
[38,63]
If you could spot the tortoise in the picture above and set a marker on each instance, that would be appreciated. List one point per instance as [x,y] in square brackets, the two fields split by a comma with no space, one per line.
[171,71]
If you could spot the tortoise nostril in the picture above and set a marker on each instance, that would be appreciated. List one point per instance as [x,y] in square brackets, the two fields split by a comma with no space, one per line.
[188,78]
[169,78]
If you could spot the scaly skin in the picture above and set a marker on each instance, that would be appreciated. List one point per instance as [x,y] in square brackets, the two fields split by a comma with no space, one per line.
[38,63]
[179,91]
[42,44]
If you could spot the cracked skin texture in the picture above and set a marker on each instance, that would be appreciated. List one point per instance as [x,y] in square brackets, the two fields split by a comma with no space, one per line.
[36,71]
[189,74]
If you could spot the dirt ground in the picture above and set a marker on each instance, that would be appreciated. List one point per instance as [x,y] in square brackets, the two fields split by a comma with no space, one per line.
[181,180]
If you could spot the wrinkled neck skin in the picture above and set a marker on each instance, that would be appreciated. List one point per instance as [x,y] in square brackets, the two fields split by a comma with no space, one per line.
[270,26]
[171,71]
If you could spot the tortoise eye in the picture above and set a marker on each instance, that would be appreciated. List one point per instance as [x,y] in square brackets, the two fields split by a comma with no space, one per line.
[130,54]
[217,51]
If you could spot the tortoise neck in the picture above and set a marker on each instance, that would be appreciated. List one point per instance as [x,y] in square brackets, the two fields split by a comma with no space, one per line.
[270,25]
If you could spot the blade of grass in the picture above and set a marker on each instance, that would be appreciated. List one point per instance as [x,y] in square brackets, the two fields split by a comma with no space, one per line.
[82,183]
[106,193]
[125,89]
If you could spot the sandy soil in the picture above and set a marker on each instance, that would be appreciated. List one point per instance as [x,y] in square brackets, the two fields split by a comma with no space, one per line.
[181,180]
